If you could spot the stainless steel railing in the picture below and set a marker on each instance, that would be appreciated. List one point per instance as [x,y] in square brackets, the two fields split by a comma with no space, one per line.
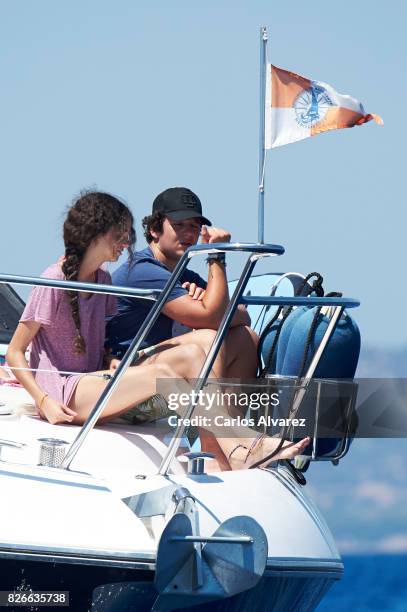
[262,250]
[35,281]
[257,251]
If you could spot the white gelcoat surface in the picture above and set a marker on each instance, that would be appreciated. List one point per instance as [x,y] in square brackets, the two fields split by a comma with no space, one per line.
[45,508]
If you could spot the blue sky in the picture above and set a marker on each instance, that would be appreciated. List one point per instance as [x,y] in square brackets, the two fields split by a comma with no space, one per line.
[134,97]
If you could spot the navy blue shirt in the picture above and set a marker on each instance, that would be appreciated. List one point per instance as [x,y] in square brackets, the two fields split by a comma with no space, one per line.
[144,272]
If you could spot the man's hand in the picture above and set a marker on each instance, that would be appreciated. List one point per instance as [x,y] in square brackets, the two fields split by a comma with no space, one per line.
[109,362]
[196,293]
[214,234]
[54,412]
[114,364]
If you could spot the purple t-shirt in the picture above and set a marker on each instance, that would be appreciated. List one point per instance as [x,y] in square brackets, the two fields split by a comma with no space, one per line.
[53,346]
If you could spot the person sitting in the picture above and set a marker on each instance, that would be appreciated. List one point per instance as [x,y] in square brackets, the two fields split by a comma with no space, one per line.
[66,329]
[192,312]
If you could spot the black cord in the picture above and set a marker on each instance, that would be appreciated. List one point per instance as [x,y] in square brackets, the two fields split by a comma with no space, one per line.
[317,288]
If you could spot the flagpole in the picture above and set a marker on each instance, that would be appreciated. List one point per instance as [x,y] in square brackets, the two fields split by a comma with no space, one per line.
[263,67]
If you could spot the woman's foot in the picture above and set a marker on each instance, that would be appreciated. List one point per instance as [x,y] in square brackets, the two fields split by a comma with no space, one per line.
[242,459]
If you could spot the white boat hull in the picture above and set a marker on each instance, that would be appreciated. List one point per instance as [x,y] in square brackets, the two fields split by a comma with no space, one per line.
[78,524]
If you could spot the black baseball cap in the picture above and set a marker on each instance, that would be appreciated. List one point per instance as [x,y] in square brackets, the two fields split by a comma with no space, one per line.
[178,204]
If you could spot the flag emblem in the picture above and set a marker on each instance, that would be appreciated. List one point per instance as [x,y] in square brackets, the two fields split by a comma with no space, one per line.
[297,107]
[311,105]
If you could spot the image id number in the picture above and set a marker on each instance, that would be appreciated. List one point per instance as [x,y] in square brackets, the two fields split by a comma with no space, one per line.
[39,598]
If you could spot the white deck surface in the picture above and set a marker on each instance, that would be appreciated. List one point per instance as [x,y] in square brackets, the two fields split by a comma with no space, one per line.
[82,510]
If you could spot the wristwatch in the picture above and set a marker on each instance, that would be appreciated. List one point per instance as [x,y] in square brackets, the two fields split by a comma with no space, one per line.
[220,257]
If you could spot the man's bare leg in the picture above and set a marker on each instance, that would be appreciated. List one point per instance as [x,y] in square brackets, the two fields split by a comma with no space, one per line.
[237,359]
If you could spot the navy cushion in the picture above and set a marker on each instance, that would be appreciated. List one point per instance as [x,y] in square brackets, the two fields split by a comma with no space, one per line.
[340,357]
[266,347]
[339,361]
[267,342]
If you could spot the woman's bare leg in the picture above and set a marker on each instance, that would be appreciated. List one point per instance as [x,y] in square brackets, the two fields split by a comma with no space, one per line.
[183,361]
[138,383]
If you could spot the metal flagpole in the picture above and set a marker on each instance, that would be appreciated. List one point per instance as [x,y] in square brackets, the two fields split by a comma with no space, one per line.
[262,152]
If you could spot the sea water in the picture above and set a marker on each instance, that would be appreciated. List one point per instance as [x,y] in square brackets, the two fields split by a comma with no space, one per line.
[370,582]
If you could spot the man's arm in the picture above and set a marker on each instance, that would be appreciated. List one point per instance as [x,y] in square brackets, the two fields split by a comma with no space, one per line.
[193,313]
[208,312]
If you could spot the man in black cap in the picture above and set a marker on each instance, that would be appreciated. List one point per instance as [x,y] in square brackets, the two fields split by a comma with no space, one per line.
[175,224]
[193,310]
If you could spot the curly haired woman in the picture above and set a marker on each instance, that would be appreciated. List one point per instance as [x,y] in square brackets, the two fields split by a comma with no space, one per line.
[66,329]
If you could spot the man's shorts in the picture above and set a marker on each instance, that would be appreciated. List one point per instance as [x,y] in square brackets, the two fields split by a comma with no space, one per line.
[153,409]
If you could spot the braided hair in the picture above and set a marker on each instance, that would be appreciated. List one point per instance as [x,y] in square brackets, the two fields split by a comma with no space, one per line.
[91,215]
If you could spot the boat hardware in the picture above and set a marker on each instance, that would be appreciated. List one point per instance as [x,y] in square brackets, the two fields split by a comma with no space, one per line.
[151,503]
[295,472]
[64,372]
[193,569]
[338,305]
[196,462]
[258,251]
[52,451]
[217,539]
[10,444]
[14,279]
